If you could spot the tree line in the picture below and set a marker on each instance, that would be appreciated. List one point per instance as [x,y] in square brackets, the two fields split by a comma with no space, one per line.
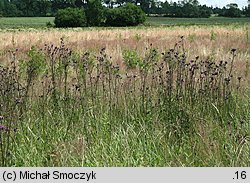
[184,8]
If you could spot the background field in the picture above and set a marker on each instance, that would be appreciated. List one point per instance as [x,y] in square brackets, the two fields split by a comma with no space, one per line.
[28,22]
[40,22]
[197,21]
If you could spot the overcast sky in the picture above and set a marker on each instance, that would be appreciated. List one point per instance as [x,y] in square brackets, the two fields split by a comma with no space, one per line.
[219,3]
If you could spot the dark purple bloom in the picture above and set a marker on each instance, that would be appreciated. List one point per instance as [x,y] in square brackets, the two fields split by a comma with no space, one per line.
[233,50]
[2,127]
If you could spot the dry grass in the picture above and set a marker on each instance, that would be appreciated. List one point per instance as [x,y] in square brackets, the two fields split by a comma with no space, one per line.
[203,41]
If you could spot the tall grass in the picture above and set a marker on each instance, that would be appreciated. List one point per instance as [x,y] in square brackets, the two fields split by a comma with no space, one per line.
[63,108]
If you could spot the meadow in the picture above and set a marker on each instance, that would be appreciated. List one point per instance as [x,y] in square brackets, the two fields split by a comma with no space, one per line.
[197,21]
[41,22]
[145,96]
[27,22]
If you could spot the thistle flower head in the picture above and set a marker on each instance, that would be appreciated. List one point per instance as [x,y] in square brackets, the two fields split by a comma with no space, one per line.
[233,50]
[2,127]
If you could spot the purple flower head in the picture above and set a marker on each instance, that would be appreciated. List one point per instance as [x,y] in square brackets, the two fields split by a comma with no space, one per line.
[233,50]
[2,127]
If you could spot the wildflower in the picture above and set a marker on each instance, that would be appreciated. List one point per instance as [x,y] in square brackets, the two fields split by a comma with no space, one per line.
[1,118]
[2,127]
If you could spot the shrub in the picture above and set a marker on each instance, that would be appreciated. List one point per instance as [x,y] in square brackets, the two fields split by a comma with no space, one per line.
[127,15]
[70,17]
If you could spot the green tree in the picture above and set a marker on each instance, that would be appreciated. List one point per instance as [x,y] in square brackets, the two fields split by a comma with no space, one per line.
[27,7]
[145,5]
[126,15]
[232,10]
[2,7]
[155,7]
[165,8]
[62,4]
[190,8]
[109,3]
[95,13]
[43,7]
[80,3]
[10,9]
[247,9]
[205,12]
[70,17]
[175,9]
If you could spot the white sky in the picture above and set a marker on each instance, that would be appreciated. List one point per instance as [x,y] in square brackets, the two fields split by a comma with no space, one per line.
[219,3]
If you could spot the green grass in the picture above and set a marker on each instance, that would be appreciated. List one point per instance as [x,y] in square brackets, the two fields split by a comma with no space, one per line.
[197,21]
[40,22]
[25,22]
[62,108]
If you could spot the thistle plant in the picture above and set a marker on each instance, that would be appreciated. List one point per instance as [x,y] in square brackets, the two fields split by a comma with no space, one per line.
[67,91]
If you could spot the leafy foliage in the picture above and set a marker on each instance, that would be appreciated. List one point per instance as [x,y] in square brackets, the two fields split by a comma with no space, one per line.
[70,17]
[127,15]
[95,13]
[232,10]
[131,58]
